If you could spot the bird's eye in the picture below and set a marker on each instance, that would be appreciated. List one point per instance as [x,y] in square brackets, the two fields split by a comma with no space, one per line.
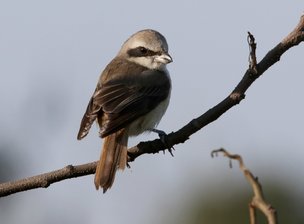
[143,50]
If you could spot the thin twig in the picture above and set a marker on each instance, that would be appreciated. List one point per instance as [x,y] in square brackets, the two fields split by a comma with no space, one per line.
[252,53]
[258,200]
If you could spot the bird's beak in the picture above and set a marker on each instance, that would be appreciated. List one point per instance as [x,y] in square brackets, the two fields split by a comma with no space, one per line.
[164,58]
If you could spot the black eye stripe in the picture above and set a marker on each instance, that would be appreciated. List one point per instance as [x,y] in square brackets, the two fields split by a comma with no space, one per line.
[141,52]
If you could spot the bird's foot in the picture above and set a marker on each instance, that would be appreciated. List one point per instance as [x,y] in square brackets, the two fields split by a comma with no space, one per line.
[164,139]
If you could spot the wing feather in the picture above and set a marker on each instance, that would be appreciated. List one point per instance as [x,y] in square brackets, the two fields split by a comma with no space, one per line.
[124,98]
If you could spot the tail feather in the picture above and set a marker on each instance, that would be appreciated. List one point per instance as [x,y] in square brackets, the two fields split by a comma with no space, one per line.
[113,157]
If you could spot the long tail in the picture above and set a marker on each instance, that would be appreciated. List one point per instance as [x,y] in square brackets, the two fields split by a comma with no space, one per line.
[113,157]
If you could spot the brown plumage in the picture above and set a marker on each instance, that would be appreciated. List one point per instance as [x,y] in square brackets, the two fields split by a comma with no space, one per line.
[129,98]
[113,156]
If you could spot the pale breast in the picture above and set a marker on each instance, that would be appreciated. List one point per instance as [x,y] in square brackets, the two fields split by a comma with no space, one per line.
[150,120]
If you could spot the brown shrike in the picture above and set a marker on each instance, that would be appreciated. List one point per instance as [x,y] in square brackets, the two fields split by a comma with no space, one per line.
[131,97]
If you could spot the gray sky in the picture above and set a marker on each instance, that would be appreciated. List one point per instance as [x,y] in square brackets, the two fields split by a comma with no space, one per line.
[51,55]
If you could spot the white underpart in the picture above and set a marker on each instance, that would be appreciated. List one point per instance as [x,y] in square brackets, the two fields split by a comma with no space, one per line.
[150,120]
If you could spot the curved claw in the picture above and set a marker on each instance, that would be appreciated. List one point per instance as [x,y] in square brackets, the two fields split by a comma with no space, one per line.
[163,137]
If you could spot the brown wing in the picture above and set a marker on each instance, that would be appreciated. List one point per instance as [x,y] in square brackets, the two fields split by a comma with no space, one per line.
[88,118]
[122,100]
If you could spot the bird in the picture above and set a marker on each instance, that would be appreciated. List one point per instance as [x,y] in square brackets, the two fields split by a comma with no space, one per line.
[131,97]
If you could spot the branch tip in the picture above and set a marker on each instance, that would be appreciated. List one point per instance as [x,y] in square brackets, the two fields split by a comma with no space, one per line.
[252,54]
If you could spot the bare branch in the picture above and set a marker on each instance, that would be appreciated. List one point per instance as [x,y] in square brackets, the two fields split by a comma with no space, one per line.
[234,98]
[46,179]
[150,147]
[258,201]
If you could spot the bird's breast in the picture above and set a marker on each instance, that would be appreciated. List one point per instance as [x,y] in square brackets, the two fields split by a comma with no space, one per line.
[149,120]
